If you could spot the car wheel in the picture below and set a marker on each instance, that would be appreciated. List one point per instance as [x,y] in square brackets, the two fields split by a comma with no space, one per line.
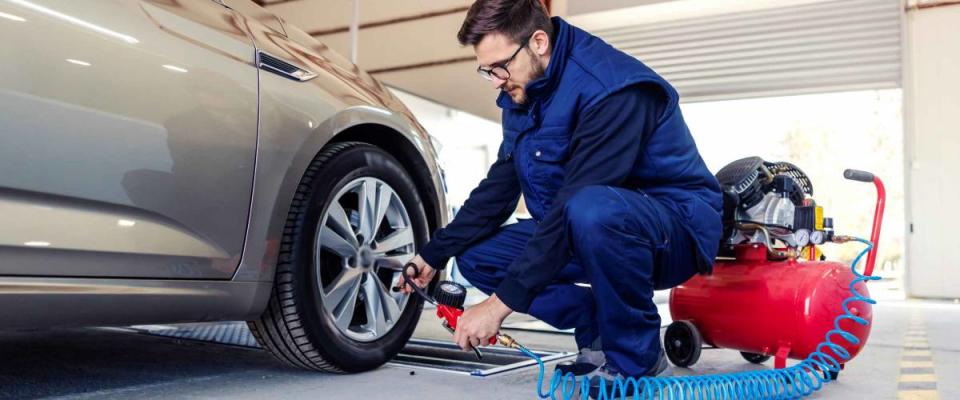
[355,220]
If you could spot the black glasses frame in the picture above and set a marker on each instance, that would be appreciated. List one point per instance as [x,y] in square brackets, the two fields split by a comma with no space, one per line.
[490,73]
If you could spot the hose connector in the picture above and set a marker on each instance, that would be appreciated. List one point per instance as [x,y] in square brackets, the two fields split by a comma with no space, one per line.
[507,341]
[842,238]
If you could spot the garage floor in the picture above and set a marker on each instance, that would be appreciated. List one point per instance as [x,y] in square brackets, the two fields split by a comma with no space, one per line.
[119,364]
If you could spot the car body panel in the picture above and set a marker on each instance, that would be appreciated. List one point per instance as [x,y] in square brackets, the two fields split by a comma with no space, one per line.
[297,119]
[39,302]
[293,121]
[108,108]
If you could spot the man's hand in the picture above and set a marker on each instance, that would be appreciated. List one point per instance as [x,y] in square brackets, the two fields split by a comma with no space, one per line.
[426,275]
[480,322]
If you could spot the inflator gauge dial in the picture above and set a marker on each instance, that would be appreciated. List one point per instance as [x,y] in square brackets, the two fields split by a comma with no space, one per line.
[451,294]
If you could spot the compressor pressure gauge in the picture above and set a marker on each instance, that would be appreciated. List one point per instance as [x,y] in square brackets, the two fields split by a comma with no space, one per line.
[817,237]
[802,237]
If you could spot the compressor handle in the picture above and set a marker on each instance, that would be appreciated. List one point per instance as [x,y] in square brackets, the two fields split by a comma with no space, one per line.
[864,176]
[857,175]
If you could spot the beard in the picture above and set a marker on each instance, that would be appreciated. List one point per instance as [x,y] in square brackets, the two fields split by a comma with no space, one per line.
[517,92]
[518,95]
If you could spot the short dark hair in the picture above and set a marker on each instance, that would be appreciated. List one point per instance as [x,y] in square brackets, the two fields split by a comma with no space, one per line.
[517,19]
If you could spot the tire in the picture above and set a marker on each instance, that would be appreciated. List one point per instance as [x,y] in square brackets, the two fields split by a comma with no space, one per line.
[682,343]
[300,326]
[754,357]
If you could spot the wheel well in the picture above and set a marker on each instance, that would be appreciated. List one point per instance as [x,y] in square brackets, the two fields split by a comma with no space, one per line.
[394,143]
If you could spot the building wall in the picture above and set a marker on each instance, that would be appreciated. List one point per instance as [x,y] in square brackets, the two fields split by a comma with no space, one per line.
[932,149]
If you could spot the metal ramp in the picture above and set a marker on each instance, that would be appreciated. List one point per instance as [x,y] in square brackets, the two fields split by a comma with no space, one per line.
[419,353]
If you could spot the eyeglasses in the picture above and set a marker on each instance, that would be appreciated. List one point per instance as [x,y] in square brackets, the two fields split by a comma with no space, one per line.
[499,70]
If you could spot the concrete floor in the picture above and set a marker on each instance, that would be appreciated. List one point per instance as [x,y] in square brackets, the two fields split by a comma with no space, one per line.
[118,364]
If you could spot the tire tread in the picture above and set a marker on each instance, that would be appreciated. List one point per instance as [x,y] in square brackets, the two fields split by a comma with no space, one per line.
[279,329]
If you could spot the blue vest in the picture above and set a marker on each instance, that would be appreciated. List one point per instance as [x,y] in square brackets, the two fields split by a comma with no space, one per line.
[583,70]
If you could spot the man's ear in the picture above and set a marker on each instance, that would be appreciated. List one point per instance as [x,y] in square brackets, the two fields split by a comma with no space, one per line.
[540,43]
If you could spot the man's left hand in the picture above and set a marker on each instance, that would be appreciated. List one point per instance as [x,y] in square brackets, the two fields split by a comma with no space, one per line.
[480,322]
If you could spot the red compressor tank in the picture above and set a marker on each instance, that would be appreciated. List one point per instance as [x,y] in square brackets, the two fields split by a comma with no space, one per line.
[770,308]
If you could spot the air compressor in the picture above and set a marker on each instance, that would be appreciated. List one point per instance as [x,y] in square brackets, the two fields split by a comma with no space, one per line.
[771,292]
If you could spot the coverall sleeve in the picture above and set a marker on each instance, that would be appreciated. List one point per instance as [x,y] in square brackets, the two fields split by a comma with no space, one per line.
[488,206]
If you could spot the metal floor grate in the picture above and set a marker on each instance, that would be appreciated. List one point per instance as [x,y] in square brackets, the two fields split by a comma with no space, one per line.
[448,357]
[233,333]
[422,353]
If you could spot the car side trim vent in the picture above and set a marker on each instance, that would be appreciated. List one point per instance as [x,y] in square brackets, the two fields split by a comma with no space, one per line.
[273,64]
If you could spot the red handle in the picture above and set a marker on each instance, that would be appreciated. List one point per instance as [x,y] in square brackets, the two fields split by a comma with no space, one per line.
[863,176]
[877,221]
[451,315]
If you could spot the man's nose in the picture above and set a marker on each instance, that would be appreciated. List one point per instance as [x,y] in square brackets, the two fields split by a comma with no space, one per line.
[497,82]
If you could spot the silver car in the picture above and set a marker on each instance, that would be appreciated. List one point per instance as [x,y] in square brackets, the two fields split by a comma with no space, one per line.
[173,161]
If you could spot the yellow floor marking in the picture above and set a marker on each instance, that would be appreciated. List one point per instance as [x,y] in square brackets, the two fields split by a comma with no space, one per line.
[918,378]
[916,345]
[918,395]
[916,364]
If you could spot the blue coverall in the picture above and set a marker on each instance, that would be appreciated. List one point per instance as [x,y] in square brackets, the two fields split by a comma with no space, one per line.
[619,195]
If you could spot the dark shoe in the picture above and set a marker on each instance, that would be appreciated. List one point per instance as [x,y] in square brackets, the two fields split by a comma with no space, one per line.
[587,361]
[605,378]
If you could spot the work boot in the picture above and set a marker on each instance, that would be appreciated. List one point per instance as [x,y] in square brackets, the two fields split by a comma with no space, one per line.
[586,362]
[588,359]
[607,375]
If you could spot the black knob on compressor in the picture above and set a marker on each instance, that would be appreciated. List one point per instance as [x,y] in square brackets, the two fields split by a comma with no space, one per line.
[450,294]
[828,228]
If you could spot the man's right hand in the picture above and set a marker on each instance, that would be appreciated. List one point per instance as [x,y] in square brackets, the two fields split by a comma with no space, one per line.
[426,275]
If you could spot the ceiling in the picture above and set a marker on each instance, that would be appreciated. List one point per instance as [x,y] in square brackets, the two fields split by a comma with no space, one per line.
[407,44]
[412,45]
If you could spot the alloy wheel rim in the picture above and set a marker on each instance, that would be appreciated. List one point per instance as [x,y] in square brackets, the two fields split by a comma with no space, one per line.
[362,242]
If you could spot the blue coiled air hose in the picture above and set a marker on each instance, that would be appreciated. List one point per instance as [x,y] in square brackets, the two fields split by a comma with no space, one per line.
[797,381]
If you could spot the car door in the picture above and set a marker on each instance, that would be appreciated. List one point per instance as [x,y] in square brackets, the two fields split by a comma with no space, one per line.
[128,134]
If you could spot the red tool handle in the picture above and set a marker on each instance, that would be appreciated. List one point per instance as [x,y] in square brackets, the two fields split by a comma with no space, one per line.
[863,176]
[451,315]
